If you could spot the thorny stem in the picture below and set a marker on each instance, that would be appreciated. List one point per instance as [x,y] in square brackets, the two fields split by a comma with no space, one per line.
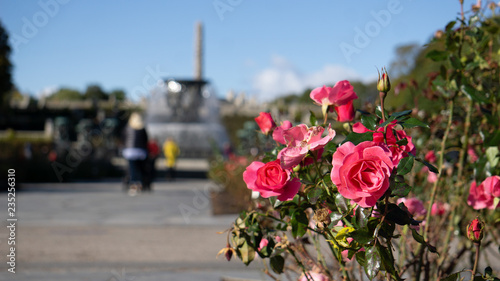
[474,269]
[446,240]
[420,249]
[440,169]
[465,144]
[382,98]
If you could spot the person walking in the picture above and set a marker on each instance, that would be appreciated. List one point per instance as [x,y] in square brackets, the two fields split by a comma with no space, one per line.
[171,152]
[153,153]
[135,151]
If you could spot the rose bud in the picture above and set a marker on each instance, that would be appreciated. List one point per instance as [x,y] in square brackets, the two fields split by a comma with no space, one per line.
[475,230]
[383,83]
[265,122]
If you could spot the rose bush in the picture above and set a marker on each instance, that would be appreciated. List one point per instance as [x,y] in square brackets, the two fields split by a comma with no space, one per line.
[361,199]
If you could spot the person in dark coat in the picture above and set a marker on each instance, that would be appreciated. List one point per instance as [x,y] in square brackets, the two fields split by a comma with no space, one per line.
[136,152]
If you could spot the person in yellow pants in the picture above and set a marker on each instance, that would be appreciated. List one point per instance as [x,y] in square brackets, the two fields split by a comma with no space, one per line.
[171,152]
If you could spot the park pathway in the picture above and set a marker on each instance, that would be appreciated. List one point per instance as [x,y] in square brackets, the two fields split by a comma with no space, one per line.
[94,231]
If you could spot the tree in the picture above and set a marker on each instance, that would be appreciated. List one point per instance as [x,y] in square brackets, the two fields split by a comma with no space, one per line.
[405,59]
[118,94]
[94,91]
[5,64]
[66,94]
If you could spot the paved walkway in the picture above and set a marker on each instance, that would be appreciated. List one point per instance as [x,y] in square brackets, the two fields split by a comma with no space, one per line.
[94,231]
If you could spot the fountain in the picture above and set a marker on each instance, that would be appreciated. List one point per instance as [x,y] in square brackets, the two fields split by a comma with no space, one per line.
[188,111]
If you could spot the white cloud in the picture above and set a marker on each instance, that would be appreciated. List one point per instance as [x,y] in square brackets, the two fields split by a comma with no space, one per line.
[47,91]
[283,78]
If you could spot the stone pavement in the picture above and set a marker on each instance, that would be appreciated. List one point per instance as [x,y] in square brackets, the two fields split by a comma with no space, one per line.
[94,231]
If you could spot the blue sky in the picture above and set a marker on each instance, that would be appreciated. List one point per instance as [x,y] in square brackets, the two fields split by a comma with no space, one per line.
[263,48]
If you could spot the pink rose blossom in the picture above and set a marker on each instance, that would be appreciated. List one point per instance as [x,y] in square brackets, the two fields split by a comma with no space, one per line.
[439,208]
[479,198]
[263,243]
[362,172]
[472,154]
[338,95]
[278,132]
[492,185]
[346,112]
[265,122]
[483,196]
[270,179]
[430,156]
[414,206]
[431,177]
[300,140]
[398,151]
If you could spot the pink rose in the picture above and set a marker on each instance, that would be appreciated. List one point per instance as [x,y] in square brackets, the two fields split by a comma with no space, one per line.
[279,131]
[430,156]
[472,154]
[263,243]
[414,206]
[340,94]
[362,172]
[479,198]
[483,196]
[346,112]
[398,151]
[439,208]
[270,179]
[300,140]
[265,122]
[492,184]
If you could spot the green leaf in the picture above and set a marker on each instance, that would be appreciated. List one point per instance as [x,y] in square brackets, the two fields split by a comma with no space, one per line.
[362,236]
[356,138]
[314,194]
[341,203]
[400,189]
[437,55]
[420,239]
[450,25]
[299,223]
[373,262]
[335,218]
[473,94]
[246,253]
[362,216]
[396,215]
[361,259]
[492,156]
[413,122]
[388,261]
[431,167]
[405,165]
[277,264]
[492,139]
[452,277]
[398,115]
[369,122]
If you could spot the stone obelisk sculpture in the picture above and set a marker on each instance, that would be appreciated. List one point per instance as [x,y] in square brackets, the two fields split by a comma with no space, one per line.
[198,52]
